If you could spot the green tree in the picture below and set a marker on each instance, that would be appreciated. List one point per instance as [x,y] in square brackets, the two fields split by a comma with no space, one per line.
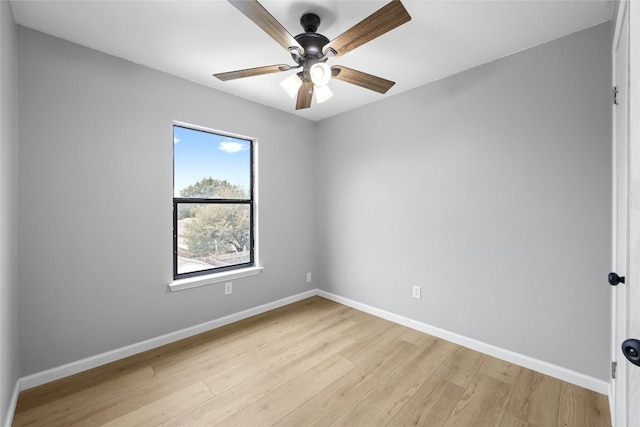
[215,228]
[208,188]
[218,229]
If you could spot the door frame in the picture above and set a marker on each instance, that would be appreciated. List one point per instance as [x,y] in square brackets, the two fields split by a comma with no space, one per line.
[619,220]
[624,408]
[633,203]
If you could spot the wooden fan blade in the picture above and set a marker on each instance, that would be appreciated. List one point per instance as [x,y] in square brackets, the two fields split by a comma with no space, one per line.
[263,19]
[384,20]
[305,93]
[231,75]
[361,79]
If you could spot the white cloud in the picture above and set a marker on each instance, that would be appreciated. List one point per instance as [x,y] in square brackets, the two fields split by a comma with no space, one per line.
[176,140]
[232,147]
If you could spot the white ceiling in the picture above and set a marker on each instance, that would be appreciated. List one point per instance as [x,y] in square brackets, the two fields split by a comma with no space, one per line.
[194,39]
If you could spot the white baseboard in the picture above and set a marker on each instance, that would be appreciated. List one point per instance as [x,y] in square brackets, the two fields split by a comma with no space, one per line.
[8,419]
[59,372]
[546,368]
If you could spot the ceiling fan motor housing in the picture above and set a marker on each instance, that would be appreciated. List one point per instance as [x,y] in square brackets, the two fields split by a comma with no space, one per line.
[311,41]
[310,22]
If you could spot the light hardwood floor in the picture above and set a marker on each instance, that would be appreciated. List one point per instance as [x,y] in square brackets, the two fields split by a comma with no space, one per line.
[311,363]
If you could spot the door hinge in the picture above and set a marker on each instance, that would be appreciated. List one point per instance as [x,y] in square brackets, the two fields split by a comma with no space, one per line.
[614,365]
[615,95]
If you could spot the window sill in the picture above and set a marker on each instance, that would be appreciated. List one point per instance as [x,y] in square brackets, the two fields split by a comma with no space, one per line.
[195,282]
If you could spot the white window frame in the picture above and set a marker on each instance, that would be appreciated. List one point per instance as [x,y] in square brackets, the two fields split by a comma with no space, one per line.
[227,275]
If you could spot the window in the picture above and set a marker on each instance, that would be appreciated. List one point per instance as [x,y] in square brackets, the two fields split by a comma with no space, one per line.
[213,202]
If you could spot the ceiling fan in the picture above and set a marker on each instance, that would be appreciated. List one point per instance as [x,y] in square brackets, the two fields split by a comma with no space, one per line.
[311,50]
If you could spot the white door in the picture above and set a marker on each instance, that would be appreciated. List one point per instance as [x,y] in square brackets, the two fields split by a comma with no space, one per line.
[625,390]
[619,217]
[633,248]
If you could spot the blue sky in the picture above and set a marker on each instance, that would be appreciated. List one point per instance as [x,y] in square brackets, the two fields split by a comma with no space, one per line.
[198,154]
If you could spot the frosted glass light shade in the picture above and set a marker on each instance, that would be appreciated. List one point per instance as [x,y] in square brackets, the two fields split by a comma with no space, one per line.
[291,85]
[322,93]
[320,74]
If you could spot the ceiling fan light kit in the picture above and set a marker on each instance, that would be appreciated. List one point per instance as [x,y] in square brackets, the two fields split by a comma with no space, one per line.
[322,93]
[291,85]
[311,50]
[320,73]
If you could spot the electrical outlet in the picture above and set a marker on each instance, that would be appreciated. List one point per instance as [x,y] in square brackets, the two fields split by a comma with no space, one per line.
[416,292]
[228,288]
[308,277]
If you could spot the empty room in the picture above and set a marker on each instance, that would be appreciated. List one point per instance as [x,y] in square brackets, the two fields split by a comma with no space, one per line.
[346,213]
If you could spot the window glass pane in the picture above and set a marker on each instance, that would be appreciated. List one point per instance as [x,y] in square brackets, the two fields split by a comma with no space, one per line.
[210,166]
[213,236]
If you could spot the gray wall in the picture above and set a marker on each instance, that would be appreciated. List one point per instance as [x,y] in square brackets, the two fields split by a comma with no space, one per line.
[491,190]
[9,361]
[95,191]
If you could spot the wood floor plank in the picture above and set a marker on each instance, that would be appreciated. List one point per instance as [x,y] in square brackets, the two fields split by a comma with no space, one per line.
[315,351]
[500,370]
[371,340]
[243,394]
[74,384]
[227,377]
[482,403]
[461,366]
[270,408]
[241,333]
[431,404]
[330,403]
[101,410]
[382,403]
[228,368]
[414,337]
[56,411]
[163,409]
[306,310]
[581,408]
[227,355]
[231,346]
[509,420]
[207,364]
[314,362]
[535,398]
[363,322]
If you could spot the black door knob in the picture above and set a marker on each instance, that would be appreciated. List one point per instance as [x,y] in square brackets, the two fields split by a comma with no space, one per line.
[614,279]
[631,350]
